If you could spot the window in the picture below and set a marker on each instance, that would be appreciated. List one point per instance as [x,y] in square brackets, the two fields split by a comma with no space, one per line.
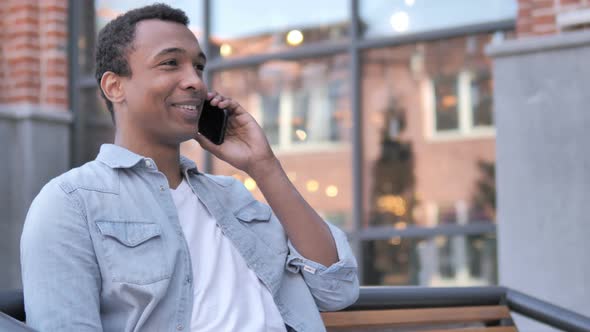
[459,105]
[291,68]
[242,28]
[299,104]
[305,116]
[304,109]
[398,17]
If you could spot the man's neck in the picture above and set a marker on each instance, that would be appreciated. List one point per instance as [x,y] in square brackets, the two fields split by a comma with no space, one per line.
[166,157]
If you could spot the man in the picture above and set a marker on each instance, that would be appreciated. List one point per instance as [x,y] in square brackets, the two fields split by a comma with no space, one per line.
[140,240]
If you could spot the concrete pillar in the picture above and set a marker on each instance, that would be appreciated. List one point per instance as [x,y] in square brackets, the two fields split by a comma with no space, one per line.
[34,116]
[542,108]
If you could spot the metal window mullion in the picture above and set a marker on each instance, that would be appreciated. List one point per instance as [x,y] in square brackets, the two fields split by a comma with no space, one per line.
[206,45]
[303,52]
[387,232]
[77,126]
[357,135]
[438,34]
[86,81]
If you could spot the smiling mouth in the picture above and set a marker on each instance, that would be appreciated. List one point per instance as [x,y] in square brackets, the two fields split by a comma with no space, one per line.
[189,112]
[186,107]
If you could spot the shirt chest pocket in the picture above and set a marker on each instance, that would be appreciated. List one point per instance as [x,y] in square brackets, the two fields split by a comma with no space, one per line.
[258,217]
[133,251]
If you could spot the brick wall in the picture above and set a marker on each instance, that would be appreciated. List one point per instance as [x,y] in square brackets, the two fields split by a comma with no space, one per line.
[540,17]
[33,52]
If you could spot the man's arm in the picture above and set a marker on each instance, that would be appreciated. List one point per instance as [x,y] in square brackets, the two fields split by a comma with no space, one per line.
[319,251]
[61,278]
[306,230]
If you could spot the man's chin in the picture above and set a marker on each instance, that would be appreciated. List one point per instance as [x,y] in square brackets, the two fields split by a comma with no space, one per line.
[179,135]
[186,136]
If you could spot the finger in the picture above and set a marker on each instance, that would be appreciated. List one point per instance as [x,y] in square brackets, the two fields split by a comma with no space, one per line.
[233,106]
[211,94]
[216,100]
[226,103]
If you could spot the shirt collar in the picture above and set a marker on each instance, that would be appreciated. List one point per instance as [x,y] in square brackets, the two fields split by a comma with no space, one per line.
[116,156]
[187,165]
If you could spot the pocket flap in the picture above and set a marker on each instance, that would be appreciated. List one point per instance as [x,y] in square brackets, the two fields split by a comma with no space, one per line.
[254,211]
[129,234]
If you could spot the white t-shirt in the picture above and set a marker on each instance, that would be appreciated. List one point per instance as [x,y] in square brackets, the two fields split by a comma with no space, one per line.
[228,296]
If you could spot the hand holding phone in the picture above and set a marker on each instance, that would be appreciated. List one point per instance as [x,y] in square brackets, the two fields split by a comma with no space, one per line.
[213,123]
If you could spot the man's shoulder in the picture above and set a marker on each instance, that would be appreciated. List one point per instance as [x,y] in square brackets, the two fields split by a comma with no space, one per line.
[221,180]
[93,175]
[231,191]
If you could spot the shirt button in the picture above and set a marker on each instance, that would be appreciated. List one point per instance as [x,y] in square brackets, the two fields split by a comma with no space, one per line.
[161,188]
[148,163]
[180,327]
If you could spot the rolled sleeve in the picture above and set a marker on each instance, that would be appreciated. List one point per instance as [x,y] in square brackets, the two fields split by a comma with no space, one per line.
[334,287]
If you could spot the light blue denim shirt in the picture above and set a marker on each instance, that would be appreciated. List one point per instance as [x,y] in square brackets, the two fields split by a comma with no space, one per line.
[102,249]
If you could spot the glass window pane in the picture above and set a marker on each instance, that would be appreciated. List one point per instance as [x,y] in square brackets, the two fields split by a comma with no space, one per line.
[304,110]
[249,27]
[423,104]
[86,38]
[106,10]
[481,99]
[398,17]
[96,14]
[412,95]
[439,262]
[446,109]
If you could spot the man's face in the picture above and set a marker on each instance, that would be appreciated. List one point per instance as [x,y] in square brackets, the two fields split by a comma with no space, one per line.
[165,93]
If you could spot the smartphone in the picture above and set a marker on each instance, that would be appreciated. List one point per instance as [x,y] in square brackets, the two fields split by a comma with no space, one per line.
[213,122]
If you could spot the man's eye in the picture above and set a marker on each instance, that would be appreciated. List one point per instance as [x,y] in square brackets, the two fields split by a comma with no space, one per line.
[170,63]
[200,67]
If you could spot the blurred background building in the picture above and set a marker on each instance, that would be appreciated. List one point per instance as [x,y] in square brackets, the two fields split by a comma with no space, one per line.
[384,113]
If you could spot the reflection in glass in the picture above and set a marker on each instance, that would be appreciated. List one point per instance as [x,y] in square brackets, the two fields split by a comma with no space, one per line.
[481,99]
[439,261]
[395,17]
[414,94]
[97,13]
[304,110]
[86,38]
[296,103]
[484,196]
[107,10]
[241,28]
[446,109]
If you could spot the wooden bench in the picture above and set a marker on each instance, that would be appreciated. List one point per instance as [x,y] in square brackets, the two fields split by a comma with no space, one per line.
[492,318]
[405,309]
[472,309]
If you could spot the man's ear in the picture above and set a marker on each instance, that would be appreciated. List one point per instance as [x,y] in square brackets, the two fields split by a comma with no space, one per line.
[112,87]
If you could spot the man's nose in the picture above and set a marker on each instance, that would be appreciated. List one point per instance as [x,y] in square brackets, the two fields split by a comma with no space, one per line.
[192,80]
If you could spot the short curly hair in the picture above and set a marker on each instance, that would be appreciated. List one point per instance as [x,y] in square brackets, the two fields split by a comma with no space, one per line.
[115,40]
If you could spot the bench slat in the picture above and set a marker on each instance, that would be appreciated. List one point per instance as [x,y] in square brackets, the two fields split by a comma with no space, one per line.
[364,318]
[479,329]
